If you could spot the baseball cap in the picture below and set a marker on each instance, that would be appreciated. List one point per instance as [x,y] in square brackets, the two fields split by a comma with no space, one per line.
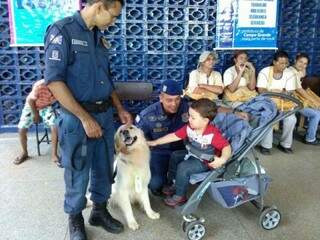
[171,87]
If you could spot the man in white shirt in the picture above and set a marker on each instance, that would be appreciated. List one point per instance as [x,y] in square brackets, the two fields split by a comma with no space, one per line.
[277,78]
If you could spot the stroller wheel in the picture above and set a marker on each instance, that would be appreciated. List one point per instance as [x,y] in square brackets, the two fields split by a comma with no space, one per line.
[195,230]
[269,218]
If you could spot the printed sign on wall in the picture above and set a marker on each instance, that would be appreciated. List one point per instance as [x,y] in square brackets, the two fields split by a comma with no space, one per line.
[249,24]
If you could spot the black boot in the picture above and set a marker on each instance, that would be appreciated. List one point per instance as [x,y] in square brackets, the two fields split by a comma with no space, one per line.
[76,227]
[100,216]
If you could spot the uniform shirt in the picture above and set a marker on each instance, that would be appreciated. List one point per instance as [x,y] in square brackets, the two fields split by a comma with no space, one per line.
[155,123]
[41,95]
[197,77]
[230,75]
[211,137]
[287,81]
[79,57]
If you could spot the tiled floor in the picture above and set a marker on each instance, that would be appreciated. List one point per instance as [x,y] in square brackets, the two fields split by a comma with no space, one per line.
[31,199]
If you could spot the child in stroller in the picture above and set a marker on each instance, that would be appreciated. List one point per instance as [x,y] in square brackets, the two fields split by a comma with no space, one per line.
[242,179]
[207,149]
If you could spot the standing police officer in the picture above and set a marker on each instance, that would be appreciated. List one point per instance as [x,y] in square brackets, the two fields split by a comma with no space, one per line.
[77,73]
[159,119]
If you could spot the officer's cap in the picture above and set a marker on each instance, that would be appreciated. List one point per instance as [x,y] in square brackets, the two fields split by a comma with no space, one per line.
[171,87]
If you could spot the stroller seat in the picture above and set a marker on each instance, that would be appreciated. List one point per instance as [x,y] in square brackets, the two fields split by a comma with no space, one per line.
[237,131]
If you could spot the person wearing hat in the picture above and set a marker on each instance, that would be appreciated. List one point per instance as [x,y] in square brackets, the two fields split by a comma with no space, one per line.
[157,120]
[204,81]
[167,115]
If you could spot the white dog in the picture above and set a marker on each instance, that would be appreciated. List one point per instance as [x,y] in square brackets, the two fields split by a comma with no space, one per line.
[133,173]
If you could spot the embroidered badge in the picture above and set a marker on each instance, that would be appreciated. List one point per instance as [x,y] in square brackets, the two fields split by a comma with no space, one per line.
[55,55]
[79,42]
[56,39]
[162,117]
[157,130]
[164,88]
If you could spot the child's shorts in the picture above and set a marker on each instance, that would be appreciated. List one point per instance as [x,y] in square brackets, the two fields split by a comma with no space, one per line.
[47,114]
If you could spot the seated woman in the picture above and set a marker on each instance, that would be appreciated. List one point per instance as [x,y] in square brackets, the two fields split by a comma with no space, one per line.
[278,78]
[311,102]
[239,80]
[204,82]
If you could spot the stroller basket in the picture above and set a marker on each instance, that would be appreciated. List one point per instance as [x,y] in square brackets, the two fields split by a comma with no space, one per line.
[232,193]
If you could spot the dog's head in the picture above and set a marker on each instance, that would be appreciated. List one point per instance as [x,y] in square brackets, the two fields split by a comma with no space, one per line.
[128,137]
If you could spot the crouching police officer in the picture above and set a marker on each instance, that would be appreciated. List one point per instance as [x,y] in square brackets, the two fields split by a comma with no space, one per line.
[77,73]
[161,118]
[165,116]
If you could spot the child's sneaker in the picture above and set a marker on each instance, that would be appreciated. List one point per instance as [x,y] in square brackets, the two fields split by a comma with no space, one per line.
[169,190]
[175,200]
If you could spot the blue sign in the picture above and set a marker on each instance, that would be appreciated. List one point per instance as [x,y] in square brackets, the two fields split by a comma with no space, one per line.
[29,19]
[247,24]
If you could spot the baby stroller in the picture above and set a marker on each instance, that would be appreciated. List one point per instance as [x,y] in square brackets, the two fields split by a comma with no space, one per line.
[242,179]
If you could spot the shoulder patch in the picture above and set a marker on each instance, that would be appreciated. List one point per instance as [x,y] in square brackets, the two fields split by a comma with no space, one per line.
[55,39]
[152,118]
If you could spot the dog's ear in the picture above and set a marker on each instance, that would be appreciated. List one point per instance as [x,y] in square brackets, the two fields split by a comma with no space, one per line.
[117,142]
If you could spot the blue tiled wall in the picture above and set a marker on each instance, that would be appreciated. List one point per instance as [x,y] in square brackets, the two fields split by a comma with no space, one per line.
[155,40]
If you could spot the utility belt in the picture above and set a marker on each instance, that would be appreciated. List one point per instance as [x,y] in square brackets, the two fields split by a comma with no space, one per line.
[97,107]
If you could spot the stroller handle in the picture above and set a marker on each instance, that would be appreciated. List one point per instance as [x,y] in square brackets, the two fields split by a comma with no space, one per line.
[284,96]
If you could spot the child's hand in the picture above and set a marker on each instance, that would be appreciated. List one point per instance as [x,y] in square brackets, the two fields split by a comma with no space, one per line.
[152,143]
[218,162]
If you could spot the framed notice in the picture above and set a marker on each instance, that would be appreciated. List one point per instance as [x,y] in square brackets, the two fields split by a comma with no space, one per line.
[246,24]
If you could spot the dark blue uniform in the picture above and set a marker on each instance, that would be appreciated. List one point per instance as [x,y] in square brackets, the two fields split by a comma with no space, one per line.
[79,57]
[155,123]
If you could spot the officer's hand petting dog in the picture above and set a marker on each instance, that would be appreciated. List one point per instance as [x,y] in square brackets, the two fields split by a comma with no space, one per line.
[124,116]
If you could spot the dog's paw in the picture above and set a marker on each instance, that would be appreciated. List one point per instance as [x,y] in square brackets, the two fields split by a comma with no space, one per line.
[133,225]
[153,215]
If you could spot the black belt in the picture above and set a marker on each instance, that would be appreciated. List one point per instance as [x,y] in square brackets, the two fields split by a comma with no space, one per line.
[97,107]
